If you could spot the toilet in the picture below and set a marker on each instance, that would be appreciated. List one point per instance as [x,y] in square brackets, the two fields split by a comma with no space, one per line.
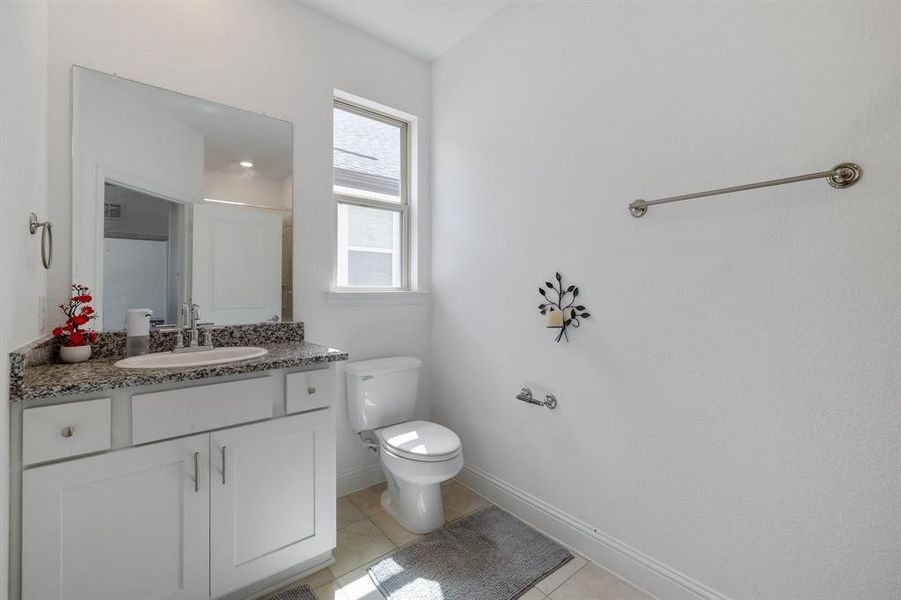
[416,456]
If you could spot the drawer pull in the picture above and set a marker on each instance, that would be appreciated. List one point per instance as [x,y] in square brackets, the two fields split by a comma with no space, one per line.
[222,450]
[67,432]
[196,472]
[311,390]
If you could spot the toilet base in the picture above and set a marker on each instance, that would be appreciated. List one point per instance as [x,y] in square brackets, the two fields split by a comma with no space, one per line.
[418,508]
[413,496]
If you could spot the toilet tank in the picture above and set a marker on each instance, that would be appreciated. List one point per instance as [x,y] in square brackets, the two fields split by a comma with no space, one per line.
[381,392]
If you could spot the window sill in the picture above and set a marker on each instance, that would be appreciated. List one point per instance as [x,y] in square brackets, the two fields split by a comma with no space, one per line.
[375,297]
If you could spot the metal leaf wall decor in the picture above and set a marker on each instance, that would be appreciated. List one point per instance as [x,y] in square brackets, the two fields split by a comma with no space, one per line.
[563,299]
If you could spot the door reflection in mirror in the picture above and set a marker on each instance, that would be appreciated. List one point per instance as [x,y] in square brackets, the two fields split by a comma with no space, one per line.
[241,248]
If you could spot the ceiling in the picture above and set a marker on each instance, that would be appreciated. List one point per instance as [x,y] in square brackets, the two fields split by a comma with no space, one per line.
[425,28]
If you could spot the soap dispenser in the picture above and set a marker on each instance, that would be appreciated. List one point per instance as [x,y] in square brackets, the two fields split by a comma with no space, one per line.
[137,327]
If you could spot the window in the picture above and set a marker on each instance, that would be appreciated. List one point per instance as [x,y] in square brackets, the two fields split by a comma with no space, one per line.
[371,190]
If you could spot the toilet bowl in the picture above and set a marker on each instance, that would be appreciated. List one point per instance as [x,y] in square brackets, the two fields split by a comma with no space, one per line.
[416,457]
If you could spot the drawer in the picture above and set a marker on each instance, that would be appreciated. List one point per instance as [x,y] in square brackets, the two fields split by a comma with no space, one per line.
[308,390]
[161,415]
[51,432]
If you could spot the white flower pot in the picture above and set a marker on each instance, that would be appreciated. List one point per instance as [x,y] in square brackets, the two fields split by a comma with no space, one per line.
[74,354]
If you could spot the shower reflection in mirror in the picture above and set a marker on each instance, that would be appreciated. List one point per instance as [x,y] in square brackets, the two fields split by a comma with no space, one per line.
[144,250]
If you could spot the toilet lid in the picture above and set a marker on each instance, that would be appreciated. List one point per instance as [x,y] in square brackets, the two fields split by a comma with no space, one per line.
[420,440]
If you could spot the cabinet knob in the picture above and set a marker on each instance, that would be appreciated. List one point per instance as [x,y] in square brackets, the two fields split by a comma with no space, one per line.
[67,432]
[311,390]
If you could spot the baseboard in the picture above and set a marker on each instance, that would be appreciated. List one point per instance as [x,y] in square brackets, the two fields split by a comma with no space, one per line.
[263,588]
[630,564]
[359,478]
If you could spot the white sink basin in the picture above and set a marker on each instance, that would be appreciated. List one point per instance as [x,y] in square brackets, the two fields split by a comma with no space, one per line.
[173,360]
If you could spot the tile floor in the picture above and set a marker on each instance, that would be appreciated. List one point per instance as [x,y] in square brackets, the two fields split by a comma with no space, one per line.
[366,533]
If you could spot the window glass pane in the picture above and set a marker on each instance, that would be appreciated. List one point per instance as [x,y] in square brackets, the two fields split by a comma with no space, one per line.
[369,247]
[369,269]
[370,227]
[367,155]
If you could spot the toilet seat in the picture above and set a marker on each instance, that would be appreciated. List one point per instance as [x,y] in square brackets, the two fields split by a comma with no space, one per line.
[420,441]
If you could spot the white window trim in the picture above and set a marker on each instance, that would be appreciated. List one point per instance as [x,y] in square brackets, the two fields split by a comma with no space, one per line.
[410,293]
[352,193]
[348,297]
[398,252]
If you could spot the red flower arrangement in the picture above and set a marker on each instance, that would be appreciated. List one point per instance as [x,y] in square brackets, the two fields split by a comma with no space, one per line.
[78,314]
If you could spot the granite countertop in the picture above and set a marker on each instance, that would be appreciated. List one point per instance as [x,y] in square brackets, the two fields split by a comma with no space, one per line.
[57,379]
[35,373]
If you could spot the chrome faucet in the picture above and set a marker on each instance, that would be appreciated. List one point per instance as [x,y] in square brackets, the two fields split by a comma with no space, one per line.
[192,314]
[199,334]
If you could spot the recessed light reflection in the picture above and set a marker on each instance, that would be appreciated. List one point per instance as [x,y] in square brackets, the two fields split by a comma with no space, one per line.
[246,164]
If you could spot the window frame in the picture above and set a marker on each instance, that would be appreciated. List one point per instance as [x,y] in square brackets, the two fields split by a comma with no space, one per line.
[403,207]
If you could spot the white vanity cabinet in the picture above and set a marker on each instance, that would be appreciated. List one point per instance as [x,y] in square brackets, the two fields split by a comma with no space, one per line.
[271,497]
[208,515]
[127,524]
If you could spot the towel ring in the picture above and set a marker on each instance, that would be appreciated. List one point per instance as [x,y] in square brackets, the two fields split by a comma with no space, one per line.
[46,228]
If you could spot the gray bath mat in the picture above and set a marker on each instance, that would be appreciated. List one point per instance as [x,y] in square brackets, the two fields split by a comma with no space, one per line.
[489,555]
[303,592]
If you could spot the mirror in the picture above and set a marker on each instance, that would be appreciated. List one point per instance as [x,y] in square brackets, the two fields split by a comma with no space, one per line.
[178,200]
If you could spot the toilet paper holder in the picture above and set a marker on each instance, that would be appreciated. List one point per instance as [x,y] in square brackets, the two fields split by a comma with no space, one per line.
[525,394]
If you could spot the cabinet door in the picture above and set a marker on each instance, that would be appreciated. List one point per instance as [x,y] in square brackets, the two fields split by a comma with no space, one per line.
[272,497]
[129,524]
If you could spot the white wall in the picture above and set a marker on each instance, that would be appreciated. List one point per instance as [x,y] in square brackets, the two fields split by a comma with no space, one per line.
[23,189]
[274,57]
[731,408]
